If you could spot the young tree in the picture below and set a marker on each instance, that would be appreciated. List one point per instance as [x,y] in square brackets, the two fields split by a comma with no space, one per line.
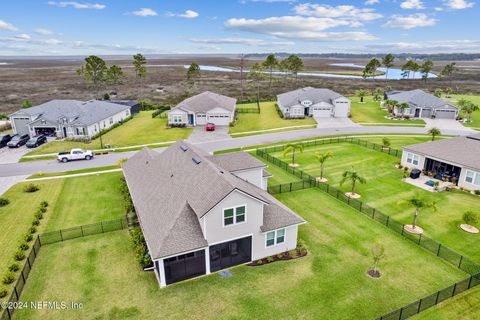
[387,62]
[448,92]
[139,64]
[448,71]
[353,177]
[295,65]
[438,93]
[293,148]
[26,104]
[378,252]
[420,203]
[270,64]
[402,107]
[115,76]
[377,94]
[322,157]
[94,72]
[257,75]
[470,218]
[434,132]
[468,109]
[425,69]
[193,73]
[390,105]
[361,93]
[371,68]
[386,142]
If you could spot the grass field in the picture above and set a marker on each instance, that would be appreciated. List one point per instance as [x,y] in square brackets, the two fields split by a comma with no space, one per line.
[370,112]
[70,172]
[330,282]
[385,191]
[476,115]
[267,119]
[142,129]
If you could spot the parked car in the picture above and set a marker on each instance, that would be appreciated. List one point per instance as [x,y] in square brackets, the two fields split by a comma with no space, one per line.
[36,141]
[4,139]
[18,141]
[210,127]
[75,154]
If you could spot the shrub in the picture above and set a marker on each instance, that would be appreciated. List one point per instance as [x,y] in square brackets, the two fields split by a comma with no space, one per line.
[259,261]
[3,293]
[24,246]
[140,247]
[33,229]
[127,199]
[42,209]
[31,188]
[14,267]
[35,222]
[19,255]
[470,217]
[400,166]
[38,215]
[269,259]
[44,204]
[477,192]
[279,256]
[178,125]
[292,253]
[28,237]
[8,278]
[4,202]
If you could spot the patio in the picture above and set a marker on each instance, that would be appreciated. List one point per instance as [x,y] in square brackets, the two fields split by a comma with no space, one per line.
[421,182]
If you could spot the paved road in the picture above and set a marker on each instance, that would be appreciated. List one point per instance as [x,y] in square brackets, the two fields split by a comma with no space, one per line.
[28,168]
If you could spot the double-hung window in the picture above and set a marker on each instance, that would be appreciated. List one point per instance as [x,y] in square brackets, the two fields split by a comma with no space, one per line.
[275,237]
[413,158]
[234,215]
[176,118]
[472,177]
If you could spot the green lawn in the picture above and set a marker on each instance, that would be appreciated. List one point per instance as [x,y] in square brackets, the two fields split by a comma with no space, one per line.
[476,115]
[329,283]
[142,129]
[370,112]
[70,172]
[267,119]
[385,191]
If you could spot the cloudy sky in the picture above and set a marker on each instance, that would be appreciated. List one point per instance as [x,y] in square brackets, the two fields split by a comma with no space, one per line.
[39,27]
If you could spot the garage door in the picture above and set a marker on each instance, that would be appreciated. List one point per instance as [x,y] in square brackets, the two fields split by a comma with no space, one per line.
[426,113]
[322,112]
[219,119]
[445,114]
[201,119]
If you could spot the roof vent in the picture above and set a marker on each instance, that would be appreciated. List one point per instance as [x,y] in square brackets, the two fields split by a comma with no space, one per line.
[196,160]
[184,147]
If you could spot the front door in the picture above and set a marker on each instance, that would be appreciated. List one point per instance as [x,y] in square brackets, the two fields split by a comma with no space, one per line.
[417,113]
[190,119]
[231,253]
[64,132]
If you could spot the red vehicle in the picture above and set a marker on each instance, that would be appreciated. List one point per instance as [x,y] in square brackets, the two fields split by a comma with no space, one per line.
[210,127]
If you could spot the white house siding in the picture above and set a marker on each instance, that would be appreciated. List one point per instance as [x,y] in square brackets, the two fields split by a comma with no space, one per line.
[463,183]
[254,176]
[181,113]
[421,161]
[260,250]
[341,107]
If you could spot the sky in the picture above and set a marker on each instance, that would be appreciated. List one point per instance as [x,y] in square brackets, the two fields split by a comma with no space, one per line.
[40,27]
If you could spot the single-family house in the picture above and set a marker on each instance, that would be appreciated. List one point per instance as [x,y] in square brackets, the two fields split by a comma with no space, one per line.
[71,118]
[456,158]
[203,108]
[313,102]
[422,105]
[202,213]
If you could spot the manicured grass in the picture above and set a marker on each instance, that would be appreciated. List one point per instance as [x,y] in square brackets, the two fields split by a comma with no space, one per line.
[385,191]
[267,119]
[370,112]
[465,306]
[142,129]
[476,115]
[397,142]
[329,283]
[65,173]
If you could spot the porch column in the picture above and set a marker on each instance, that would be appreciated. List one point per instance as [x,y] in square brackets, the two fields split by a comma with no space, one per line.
[161,274]
[207,260]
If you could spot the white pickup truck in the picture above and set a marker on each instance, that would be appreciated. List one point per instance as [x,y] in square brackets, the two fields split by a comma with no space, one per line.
[75,154]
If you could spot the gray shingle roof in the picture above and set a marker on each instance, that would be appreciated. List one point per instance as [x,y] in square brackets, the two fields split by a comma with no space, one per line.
[171,192]
[79,112]
[464,151]
[207,101]
[236,161]
[315,95]
[418,98]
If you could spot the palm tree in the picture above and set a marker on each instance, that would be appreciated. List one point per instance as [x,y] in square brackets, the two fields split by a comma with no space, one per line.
[434,132]
[468,108]
[377,94]
[292,148]
[402,107]
[448,92]
[353,177]
[361,93]
[420,203]
[322,157]
[390,105]
[438,93]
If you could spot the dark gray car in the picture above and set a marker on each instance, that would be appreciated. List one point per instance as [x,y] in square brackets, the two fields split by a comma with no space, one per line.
[4,139]
[36,141]
[18,141]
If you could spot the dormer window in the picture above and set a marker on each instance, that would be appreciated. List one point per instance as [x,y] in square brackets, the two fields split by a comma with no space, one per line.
[65,120]
[43,121]
[234,215]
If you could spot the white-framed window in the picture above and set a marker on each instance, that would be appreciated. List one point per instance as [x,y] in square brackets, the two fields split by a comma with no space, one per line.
[111,120]
[413,158]
[234,215]
[472,177]
[275,237]
[127,112]
[297,111]
[177,118]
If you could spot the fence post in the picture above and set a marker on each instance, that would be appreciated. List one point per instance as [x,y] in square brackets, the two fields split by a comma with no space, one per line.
[290,187]
[360,206]
[16,292]
[81,229]
[454,288]
[61,235]
[460,263]
[419,305]
[420,239]
[373,213]
[280,188]
[403,228]
[438,251]
[101,224]
[337,193]
[470,282]
[388,219]
[400,315]
[436,299]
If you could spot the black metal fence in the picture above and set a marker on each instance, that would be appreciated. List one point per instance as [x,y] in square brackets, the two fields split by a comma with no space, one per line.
[456,259]
[360,142]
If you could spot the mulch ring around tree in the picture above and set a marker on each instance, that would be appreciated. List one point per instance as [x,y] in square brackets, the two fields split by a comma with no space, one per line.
[374,273]
[279,257]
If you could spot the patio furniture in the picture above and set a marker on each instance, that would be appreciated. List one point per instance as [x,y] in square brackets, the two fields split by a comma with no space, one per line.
[415,174]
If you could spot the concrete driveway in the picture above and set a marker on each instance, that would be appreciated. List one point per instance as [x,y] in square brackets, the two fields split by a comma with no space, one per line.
[335,123]
[199,134]
[12,155]
[445,124]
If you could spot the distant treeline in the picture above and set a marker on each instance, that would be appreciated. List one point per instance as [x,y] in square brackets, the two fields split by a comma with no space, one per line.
[434,56]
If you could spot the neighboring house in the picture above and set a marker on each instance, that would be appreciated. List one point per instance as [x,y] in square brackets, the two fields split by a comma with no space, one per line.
[456,157]
[71,118]
[202,213]
[206,107]
[314,102]
[422,105]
